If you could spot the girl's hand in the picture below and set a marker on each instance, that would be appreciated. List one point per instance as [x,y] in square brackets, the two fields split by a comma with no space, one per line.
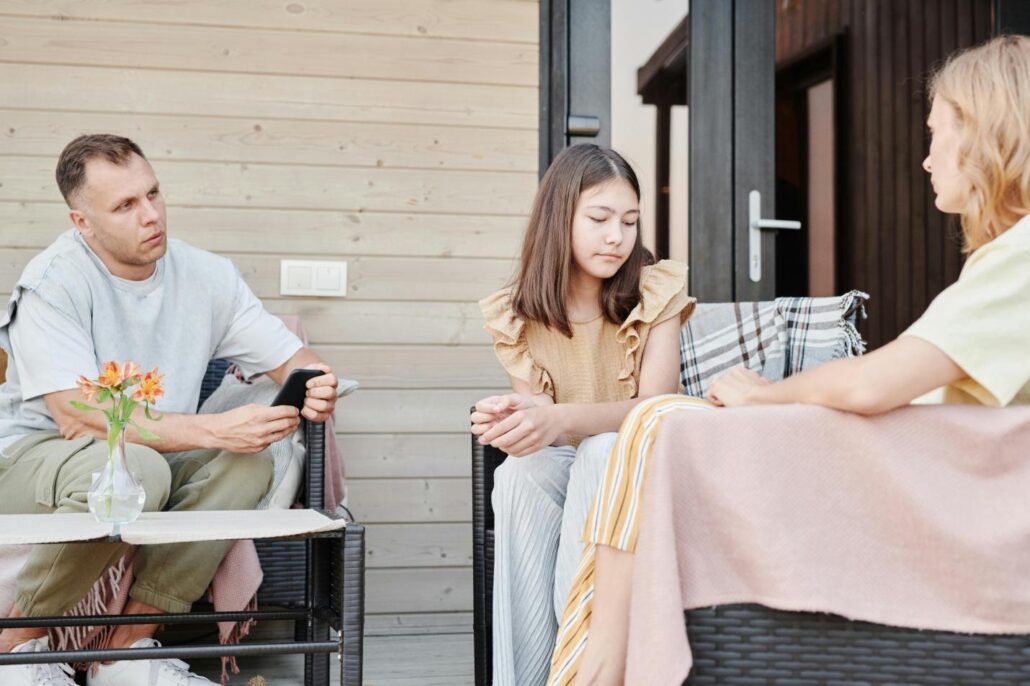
[491,410]
[526,430]
[735,387]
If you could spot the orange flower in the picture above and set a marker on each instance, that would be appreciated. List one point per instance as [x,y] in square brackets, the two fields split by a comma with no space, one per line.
[110,375]
[150,388]
[88,388]
[130,370]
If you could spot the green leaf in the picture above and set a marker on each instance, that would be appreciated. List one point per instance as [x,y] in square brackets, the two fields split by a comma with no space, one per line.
[146,434]
[130,406]
[105,394]
[154,417]
[82,406]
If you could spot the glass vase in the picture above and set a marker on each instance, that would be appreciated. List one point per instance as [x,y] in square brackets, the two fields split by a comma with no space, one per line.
[116,495]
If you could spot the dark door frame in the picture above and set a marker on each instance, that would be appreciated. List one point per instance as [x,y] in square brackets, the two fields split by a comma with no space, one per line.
[575,75]
[731,89]
[826,60]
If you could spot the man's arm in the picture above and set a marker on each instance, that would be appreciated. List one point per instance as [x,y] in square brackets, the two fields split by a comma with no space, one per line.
[247,429]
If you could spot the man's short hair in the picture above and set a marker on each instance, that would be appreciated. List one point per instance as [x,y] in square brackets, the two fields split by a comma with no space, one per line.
[71,166]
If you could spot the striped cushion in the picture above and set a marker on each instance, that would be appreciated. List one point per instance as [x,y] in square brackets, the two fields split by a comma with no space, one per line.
[776,338]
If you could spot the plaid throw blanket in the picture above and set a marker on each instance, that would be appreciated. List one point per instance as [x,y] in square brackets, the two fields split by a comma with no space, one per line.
[776,338]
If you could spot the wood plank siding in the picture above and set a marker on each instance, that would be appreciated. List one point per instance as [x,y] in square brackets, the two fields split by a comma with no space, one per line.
[896,245]
[399,135]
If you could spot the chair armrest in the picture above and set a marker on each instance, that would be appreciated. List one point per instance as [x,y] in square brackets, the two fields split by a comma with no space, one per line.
[485,459]
[314,465]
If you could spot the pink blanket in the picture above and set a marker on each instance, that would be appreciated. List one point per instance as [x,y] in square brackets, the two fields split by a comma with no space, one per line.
[919,518]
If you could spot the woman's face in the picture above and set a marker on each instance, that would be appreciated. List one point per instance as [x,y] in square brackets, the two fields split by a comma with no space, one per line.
[949,183]
[604,228]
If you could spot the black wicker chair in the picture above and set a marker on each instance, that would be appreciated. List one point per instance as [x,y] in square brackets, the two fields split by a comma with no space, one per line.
[289,582]
[751,645]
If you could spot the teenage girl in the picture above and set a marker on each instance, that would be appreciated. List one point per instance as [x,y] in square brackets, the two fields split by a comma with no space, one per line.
[589,328]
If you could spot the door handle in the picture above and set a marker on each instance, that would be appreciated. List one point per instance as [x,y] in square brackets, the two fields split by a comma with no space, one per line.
[755,227]
[579,125]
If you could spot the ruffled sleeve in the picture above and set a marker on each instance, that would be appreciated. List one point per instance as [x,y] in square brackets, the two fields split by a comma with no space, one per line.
[663,295]
[510,344]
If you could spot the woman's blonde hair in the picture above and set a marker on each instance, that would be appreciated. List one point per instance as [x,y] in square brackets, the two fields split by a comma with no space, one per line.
[989,88]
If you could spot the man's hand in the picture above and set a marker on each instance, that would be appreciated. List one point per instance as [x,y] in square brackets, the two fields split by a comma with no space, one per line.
[320,400]
[525,430]
[252,428]
[734,387]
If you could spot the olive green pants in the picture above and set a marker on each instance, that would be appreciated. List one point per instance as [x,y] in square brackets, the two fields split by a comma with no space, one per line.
[45,473]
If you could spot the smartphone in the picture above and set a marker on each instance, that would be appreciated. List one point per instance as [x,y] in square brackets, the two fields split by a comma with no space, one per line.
[295,387]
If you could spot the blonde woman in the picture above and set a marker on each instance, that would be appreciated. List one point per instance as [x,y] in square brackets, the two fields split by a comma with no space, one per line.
[970,346]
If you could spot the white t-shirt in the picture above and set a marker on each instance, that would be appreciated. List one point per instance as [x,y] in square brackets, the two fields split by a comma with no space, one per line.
[69,315]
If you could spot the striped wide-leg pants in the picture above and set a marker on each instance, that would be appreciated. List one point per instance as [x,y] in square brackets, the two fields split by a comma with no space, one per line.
[540,506]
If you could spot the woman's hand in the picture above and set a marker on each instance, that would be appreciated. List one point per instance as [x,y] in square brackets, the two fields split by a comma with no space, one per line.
[736,387]
[525,430]
[491,410]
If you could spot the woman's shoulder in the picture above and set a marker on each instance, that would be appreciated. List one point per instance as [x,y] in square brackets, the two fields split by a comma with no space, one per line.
[511,346]
[663,292]
[664,275]
[497,309]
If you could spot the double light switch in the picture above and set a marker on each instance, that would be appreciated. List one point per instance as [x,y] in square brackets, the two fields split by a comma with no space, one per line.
[313,277]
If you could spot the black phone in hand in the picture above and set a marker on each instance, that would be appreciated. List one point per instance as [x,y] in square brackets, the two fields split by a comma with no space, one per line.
[295,388]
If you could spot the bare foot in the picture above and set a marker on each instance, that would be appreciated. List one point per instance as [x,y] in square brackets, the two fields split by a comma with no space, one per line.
[12,638]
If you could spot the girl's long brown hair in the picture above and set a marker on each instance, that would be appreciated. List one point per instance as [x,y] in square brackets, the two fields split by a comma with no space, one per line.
[542,283]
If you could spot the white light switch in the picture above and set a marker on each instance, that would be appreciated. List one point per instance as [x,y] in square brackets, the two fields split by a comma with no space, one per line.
[313,277]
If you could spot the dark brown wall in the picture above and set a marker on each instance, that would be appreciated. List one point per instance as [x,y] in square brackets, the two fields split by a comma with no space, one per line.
[898,246]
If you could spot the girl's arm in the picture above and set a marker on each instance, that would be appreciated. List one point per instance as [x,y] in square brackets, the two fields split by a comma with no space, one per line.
[531,427]
[884,379]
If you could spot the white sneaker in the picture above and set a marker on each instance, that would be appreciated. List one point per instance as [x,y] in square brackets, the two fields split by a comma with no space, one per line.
[169,672]
[36,675]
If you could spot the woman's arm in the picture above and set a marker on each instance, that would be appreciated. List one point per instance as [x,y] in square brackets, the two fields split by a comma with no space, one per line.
[884,379]
[532,427]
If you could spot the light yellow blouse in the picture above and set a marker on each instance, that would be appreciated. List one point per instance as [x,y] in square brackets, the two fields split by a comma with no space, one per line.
[601,362]
[982,322]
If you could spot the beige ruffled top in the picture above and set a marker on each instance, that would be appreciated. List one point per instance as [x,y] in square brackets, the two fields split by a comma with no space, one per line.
[601,362]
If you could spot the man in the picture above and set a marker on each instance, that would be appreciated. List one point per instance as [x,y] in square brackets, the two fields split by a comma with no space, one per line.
[116,288]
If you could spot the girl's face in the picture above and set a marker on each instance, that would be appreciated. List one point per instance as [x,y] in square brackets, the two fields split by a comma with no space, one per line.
[604,228]
[949,183]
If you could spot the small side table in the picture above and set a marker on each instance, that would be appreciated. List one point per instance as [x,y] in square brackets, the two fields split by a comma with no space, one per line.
[334,570]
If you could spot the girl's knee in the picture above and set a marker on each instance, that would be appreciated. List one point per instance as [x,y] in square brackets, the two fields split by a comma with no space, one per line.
[530,470]
[594,452]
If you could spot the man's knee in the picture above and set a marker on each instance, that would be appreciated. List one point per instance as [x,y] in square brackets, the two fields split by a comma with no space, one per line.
[151,468]
[251,476]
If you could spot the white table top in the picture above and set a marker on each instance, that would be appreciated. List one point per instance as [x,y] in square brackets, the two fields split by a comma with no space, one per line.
[154,528]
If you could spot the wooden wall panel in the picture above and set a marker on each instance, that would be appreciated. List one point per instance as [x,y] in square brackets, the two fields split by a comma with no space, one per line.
[898,246]
[34,224]
[279,141]
[509,21]
[265,51]
[399,135]
[266,96]
[321,187]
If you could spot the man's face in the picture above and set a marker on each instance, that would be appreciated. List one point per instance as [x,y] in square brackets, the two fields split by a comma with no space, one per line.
[120,212]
